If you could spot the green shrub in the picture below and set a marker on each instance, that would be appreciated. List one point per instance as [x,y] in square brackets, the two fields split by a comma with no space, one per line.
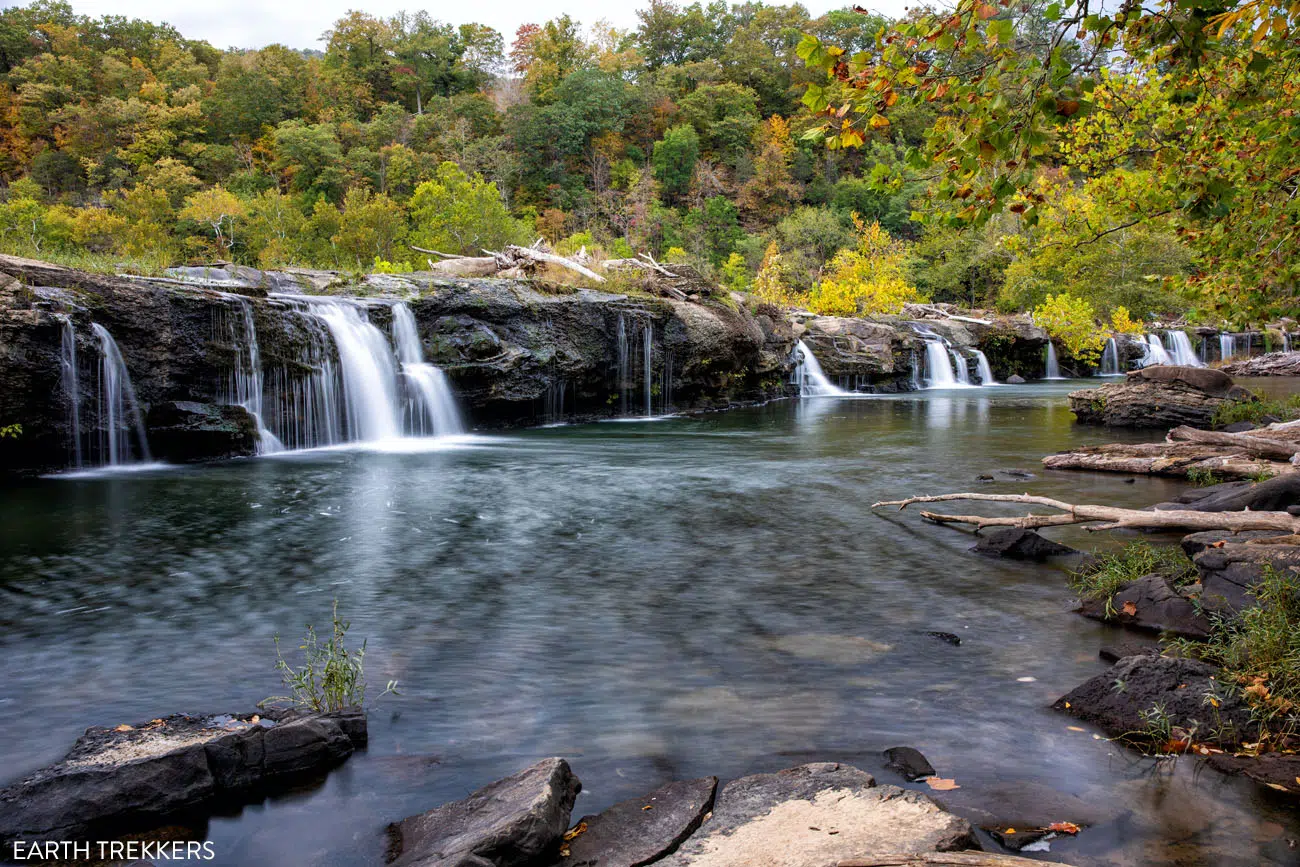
[331,678]
[1107,573]
[1287,409]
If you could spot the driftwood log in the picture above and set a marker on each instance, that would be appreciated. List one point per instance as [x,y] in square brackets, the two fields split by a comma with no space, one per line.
[1103,517]
[1255,445]
[1166,459]
[944,859]
[510,261]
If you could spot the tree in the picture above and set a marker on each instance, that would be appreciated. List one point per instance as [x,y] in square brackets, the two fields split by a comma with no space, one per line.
[674,161]
[370,228]
[1072,321]
[461,214]
[725,115]
[868,280]
[254,90]
[217,210]
[548,54]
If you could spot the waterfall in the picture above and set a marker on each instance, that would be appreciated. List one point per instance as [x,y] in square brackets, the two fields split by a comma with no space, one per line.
[430,406]
[369,373]
[647,338]
[916,372]
[622,365]
[71,387]
[1205,350]
[1286,342]
[938,366]
[809,377]
[666,392]
[1180,348]
[1053,368]
[1156,353]
[959,367]
[1228,347]
[244,388]
[119,414]
[1110,359]
[982,366]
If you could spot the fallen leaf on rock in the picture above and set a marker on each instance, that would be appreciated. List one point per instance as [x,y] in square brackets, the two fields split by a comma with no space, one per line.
[1279,787]
[648,807]
[1064,827]
[1130,608]
[939,784]
[124,728]
[1075,729]
[575,832]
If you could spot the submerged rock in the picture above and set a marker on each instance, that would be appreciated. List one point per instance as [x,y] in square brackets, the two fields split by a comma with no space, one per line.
[1141,698]
[1158,397]
[909,762]
[817,815]
[134,777]
[1151,604]
[182,431]
[511,822]
[1015,379]
[1018,544]
[642,830]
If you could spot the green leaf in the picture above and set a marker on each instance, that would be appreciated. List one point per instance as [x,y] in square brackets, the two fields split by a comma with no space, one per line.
[1053,12]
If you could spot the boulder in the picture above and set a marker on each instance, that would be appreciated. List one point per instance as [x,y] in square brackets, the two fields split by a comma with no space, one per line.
[1158,397]
[1018,544]
[181,431]
[908,762]
[1230,569]
[817,815]
[1116,700]
[1150,604]
[868,352]
[1015,379]
[642,830]
[1273,495]
[130,778]
[513,821]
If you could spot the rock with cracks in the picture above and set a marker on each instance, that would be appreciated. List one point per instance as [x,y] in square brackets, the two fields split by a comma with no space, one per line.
[1121,702]
[642,830]
[511,822]
[1158,397]
[1231,566]
[132,778]
[1151,604]
[816,816]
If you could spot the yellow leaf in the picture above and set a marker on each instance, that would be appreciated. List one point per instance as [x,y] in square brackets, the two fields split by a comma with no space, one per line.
[124,728]
[1279,787]
[878,121]
[648,807]
[1075,728]
[939,784]
[575,832]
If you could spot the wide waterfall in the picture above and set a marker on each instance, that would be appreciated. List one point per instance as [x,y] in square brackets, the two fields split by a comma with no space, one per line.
[430,407]
[119,414]
[1110,359]
[1180,348]
[70,378]
[1156,353]
[809,377]
[1053,368]
[358,387]
[982,366]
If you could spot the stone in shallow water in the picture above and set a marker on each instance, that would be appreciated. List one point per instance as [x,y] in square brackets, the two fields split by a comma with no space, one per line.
[909,762]
[817,815]
[1018,544]
[510,822]
[629,834]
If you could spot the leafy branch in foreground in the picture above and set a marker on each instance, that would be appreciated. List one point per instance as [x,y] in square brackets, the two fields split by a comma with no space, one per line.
[331,678]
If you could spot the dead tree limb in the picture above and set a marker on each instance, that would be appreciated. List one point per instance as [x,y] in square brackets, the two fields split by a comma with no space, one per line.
[514,256]
[1261,446]
[438,253]
[1112,518]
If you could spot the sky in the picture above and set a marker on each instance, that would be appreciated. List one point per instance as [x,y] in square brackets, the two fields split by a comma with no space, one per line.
[300,23]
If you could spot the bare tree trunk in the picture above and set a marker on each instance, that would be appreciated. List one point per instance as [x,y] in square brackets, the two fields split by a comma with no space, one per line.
[1113,517]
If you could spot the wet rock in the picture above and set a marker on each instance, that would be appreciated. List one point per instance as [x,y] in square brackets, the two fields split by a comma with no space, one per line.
[1150,604]
[1024,805]
[1122,649]
[870,352]
[1158,397]
[1018,474]
[1195,543]
[815,815]
[1015,379]
[629,834]
[1019,544]
[1281,771]
[946,637]
[983,477]
[1116,700]
[1274,495]
[135,777]
[1230,570]
[511,822]
[1016,839]
[909,762]
[1238,427]
[183,431]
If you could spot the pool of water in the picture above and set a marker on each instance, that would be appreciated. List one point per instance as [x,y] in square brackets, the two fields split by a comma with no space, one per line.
[654,601]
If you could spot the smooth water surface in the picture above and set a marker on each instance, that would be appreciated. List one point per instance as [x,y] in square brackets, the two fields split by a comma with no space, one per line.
[654,601]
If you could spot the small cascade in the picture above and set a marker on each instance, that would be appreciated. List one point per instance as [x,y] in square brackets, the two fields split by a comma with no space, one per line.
[1156,353]
[553,405]
[622,365]
[809,377]
[666,387]
[1053,368]
[647,352]
[982,367]
[635,365]
[1286,342]
[369,372]
[1180,348]
[1205,350]
[1230,345]
[938,366]
[70,378]
[1110,359]
[430,407]
[959,367]
[244,387]
[917,383]
[119,414]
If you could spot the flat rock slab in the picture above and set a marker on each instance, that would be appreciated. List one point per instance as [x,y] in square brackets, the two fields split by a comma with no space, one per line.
[642,830]
[133,777]
[513,821]
[816,816]
[1150,604]
[1116,699]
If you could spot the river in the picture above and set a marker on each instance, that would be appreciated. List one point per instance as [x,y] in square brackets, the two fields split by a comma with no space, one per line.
[652,600]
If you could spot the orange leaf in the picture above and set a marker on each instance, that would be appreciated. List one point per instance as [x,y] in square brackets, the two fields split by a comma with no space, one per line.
[1130,608]
[985,11]
[124,728]
[939,784]
[878,121]
[1064,827]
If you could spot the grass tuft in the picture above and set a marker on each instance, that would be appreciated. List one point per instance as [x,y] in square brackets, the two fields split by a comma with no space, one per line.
[1253,411]
[1106,574]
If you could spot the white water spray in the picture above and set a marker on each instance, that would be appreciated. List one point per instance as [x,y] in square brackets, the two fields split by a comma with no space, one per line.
[430,407]
[1156,353]
[1053,370]
[809,377]
[982,366]
[71,387]
[119,414]
[1180,348]
[1110,359]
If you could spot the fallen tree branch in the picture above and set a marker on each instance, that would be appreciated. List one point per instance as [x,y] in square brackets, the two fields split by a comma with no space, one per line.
[938,311]
[1261,446]
[513,256]
[1113,517]
[437,253]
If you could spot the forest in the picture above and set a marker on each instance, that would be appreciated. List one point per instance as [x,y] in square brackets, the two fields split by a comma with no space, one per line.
[1090,166]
